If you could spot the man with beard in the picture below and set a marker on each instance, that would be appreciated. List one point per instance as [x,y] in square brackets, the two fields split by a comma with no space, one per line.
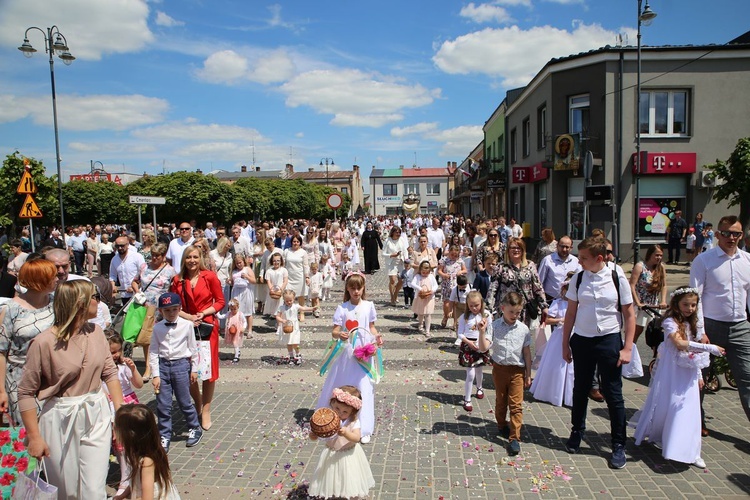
[124,268]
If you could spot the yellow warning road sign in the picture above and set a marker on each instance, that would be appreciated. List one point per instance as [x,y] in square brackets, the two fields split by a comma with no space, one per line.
[30,210]
[27,184]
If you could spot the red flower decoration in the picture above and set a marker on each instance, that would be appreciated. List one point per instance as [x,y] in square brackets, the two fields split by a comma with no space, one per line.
[8,461]
[4,438]
[22,433]
[22,464]
[18,446]
[365,352]
[7,479]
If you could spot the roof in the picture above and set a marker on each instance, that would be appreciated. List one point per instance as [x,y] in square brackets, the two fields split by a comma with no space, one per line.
[235,176]
[331,174]
[410,172]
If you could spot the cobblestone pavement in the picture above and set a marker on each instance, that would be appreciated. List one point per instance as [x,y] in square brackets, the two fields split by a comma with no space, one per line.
[425,445]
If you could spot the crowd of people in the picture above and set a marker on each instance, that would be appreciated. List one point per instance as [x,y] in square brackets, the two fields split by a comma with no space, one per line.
[63,364]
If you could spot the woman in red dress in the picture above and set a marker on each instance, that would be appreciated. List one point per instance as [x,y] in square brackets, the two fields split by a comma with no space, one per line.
[202,297]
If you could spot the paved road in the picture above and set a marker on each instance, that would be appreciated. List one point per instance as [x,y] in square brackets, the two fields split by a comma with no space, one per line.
[425,445]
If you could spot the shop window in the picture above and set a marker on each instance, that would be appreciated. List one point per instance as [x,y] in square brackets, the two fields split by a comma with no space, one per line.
[664,113]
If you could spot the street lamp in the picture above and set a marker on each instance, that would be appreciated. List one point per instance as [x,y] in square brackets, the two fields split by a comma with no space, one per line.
[645,16]
[326,164]
[54,43]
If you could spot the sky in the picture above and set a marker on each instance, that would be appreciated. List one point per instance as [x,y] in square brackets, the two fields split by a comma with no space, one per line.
[170,85]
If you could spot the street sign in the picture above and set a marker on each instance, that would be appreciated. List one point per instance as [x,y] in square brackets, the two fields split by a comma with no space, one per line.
[334,201]
[30,210]
[27,184]
[147,200]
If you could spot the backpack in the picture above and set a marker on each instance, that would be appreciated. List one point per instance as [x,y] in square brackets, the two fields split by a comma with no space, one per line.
[615,278]
[655,332]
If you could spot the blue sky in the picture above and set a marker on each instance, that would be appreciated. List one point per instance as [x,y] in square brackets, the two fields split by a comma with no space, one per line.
[203,84]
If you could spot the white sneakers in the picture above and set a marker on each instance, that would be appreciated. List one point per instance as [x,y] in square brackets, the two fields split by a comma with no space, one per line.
[364,439]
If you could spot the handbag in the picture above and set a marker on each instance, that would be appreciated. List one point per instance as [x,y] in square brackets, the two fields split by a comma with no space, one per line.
[204,360]
[133,322]
[144,336]
[532,308]
[16,461]
[203,331]
[33,487]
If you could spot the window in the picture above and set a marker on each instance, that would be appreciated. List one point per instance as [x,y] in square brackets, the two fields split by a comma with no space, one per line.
[513,157]
[501,147]
[575,209]
[526,137]
[390,189]
[542,196]
[541,127]
[433,188]
[664,112]
[411,188]
[579,114]
[344,190]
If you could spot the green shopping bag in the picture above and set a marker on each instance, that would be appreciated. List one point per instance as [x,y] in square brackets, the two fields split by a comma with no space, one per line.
[133,322]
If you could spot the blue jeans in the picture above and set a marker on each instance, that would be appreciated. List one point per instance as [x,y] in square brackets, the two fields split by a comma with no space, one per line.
[175,378]
[588,355]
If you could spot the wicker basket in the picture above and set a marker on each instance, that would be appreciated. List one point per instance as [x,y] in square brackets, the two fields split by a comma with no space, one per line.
[325,422]
[275,294]
[288,327]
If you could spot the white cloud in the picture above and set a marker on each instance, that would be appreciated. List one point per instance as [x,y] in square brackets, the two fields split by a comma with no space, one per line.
[485,13]
[355,97]
[513,3]
[164,19]
[112,147]
[190,130]
[226,66]
[90,28]
[418,129]
[515,55]
[274,67]
[86,113]
[229,67]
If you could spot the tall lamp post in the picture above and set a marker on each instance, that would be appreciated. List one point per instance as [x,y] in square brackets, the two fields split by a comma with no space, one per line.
[54,44]
[645,16]
[326,160]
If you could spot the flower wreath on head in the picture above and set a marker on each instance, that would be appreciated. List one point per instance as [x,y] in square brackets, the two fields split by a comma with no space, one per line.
[346,398]
[683,290]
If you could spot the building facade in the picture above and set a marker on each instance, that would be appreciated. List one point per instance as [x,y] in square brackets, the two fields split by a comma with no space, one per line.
[389,188]
[344,181]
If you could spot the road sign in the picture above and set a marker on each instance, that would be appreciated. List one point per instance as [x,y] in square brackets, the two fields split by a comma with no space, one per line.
[147,200]
[27,184]
[334,201]
[30,210]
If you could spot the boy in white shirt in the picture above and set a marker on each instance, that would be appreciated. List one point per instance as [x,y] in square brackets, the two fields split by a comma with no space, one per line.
[173,356]
[690,244]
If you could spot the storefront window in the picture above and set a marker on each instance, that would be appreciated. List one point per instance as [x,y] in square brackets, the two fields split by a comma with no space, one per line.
[660,198]
[576,228]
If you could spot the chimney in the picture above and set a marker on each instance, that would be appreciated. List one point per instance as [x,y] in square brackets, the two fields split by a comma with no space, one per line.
[401,167]
[243,169]
[199,171]
[257,169]
[454,164]
[449,164]
[310,169]
[355,168]
[288,170]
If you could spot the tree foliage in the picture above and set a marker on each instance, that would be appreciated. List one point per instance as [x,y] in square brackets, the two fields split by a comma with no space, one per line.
[10,202]
[735,172]
[96,202]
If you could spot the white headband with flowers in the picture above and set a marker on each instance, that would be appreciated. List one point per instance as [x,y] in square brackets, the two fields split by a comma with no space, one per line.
[683,290]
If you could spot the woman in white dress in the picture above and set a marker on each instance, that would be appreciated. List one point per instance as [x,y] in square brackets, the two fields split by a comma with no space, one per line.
[222,264]
[324,245]
[396,251]
[298,266]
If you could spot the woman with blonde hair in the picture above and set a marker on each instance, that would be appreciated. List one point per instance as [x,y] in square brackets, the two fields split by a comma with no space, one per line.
[65,368]
[547,245]
[517,274]
[202,298]
[149,239]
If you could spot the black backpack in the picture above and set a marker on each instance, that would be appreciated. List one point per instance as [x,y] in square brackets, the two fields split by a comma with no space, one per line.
[615,278]
[655,332]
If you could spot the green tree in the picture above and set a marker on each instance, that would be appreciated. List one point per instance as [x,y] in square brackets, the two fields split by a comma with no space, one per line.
[735,172]
[189,196]
[96,202]
[10,202]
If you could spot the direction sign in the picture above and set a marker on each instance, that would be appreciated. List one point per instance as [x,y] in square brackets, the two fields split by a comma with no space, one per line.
[27,184]
[30,210]
[147,200]
[335,201]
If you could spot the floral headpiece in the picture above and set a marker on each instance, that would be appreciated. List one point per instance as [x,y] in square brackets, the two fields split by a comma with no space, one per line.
[357,272]
[683,290]
[347,399]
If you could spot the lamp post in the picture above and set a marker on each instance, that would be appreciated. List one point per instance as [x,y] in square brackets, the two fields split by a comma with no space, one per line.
[54,43]
[645,16]
[326,160]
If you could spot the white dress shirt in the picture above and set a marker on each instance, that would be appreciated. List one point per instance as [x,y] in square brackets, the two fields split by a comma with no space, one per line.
[552,271]
[243,246]
[597,313]
[173,343]
[176,249]
[125,270]
[435,238]
[723,284]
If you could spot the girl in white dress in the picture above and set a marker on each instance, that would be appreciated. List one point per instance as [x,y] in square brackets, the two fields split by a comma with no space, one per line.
[276,280]
[343,470]
[243,291]
[136,432]
[671,416]
[298,267]
[553,382]
[288,315]
[355,313]
[425,286]
[327,270]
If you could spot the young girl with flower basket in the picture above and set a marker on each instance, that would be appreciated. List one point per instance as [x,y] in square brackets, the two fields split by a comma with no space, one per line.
[671,416]
[353,355]
[470,356]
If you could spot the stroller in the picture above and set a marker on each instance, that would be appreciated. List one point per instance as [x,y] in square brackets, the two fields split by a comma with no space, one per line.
[654,333]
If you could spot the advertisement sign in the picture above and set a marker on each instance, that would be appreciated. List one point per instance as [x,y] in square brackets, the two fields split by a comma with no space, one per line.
[655,214]
[388,199]
[567,152]
[526,175]
[667,163]
[96,177]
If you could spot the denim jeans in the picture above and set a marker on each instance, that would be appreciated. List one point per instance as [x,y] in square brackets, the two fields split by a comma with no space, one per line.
[175,378]
[603,353]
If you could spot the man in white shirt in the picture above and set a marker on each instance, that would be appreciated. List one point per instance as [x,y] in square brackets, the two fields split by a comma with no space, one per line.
[210,234]
[554,267]
[124,268]
[436,237]
[722,277]
[248,231]
[178,245]
[505,231]
[241,245]
[515,228]
[593,303]
[77,249]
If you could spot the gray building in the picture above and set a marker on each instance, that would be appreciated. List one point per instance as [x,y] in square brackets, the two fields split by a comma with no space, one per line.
[694,108]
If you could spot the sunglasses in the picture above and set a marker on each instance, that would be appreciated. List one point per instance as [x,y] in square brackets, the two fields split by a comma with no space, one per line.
[610,252]
[492,236]
[731,234]
[185,228]
[120,246]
